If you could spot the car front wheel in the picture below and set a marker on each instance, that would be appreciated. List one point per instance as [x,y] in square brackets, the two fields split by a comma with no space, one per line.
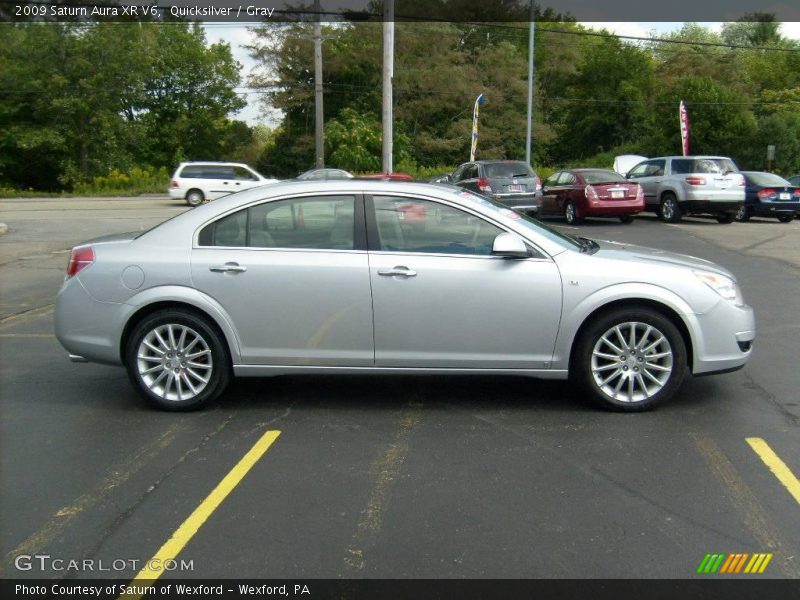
[626,219]
[785,218]
[725,218]
[670,211]
[629,359]
[177,360]
[571,214]
[742,215]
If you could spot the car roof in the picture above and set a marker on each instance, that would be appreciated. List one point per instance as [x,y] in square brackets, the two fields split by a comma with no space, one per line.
[214,162]
[691,156]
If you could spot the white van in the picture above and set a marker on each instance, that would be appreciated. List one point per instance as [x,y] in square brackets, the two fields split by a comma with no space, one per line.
[197,182]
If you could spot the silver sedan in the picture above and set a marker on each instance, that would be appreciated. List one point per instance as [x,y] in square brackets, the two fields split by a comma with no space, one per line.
[393,278]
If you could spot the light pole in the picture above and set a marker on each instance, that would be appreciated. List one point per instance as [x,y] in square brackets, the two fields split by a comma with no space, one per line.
[528,137]
[388,72]
[319,143]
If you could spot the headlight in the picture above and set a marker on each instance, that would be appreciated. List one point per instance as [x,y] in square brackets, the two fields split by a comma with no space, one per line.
[724,286]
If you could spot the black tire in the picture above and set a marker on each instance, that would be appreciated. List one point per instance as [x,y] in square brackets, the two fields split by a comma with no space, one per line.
[571,214]
[212,358]
[588,370]
[725,218]
[742,215]
[785,218]
[670,209]
[626,220]
[194,197]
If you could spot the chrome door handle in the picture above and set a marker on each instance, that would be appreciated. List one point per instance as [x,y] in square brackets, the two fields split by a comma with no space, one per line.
[230,267]
[398,272]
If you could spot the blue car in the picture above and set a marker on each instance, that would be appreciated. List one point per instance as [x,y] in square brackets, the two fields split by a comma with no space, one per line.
[768,195]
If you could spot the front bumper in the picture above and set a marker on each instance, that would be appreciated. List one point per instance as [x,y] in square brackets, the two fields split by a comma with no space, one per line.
[725,338]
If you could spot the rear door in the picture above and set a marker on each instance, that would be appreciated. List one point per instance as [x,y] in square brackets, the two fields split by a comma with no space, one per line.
[293,275]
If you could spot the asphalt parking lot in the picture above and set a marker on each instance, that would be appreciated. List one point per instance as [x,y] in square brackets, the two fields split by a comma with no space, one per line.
[386,477]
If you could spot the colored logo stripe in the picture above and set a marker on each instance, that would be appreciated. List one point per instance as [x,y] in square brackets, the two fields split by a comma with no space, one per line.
[734,563]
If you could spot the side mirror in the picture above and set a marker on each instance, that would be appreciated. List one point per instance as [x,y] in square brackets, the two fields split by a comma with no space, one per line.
[509,245]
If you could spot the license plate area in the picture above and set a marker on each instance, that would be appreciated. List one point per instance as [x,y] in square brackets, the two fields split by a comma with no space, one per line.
[617,194]
[515,188]
[784,196]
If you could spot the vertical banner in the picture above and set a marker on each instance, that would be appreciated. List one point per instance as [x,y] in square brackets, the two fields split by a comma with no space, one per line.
[684,121]
[475,112]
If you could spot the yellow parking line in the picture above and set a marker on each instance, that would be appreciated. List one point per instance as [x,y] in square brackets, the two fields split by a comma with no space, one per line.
[776,465]
[154,568]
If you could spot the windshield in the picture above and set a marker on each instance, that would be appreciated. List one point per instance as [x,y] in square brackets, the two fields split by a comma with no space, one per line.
[767,179]
[602,176]
[563,240]
[682,166]
[508,169]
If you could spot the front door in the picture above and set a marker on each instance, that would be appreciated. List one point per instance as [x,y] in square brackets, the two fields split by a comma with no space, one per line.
[440,299]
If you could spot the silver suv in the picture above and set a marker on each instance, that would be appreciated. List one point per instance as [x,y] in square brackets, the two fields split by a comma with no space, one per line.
[678,185]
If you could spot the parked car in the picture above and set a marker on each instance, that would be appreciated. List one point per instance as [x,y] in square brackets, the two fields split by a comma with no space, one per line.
[794,180]
[580,193]
[510,182]
[625,162]
[321,277]
[441,178]
[197,182]
[690,185]
[388,176]
[768,195]
[326,173]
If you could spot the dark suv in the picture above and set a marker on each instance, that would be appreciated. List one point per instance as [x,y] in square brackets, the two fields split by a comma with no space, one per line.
[511,182]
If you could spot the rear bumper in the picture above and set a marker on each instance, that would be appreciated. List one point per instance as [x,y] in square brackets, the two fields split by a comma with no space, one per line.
[711,206]
[770,209]
[176,193]
[530,203]
[613,208]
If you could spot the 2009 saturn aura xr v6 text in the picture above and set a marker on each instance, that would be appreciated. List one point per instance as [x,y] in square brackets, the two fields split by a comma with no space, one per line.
[331,277]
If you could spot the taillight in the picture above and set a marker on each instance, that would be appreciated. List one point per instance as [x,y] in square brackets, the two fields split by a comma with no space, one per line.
[639,193]
[591,194]
[483,185]
[696,180]
[174,183]
[80,258]
[796,192]
[766,193]
[741,181]
[538,184]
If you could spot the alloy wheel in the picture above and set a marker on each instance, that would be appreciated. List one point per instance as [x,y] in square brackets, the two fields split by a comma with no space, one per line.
[631,362]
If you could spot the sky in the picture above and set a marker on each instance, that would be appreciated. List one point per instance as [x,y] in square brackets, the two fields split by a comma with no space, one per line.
[237,35]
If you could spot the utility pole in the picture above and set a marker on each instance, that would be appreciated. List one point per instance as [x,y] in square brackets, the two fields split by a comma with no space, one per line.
[528,140]
[388,72]
[319,144]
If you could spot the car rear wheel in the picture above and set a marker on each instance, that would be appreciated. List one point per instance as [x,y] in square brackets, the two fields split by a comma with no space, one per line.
[177,360]
[785,218]
[742,215]
[629,359]
[194,197]
[626,219]
[670,210]
[571,214]
[725,218]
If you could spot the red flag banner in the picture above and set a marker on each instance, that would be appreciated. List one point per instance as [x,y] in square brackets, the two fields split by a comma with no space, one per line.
[684,121]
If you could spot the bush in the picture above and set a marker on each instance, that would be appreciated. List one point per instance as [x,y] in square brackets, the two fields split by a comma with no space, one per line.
[137,181]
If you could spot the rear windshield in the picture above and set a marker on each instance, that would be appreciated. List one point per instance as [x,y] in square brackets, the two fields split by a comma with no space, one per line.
[766,179]
[602,176]
[720,166]
[508,169]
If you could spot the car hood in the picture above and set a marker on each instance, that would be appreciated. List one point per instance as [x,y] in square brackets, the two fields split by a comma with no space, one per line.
[643,254]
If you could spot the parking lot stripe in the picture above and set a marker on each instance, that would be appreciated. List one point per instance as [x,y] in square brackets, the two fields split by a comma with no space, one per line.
[747,505]
[776,465]
[25,335]
[64,518]
[173,546]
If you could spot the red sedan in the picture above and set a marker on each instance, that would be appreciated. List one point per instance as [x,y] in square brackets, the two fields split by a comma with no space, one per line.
[580,193]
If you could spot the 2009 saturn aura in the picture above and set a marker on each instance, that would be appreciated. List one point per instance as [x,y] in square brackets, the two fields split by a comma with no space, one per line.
[391,277]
